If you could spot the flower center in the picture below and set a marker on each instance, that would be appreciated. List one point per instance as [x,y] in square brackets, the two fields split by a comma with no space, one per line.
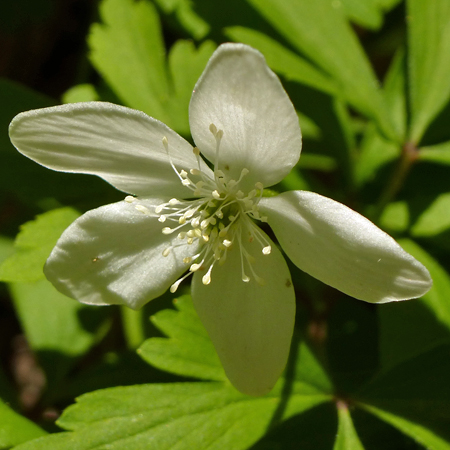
[218,219]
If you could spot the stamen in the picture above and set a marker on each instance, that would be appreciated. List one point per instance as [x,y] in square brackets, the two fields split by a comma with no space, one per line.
[130,199]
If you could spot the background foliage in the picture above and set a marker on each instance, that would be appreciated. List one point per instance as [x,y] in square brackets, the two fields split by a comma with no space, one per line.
[371,83]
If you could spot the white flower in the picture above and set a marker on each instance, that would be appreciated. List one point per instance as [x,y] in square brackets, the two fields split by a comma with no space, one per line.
[187,217]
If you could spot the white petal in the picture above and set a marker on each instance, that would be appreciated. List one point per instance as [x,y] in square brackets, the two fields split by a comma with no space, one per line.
[344,249]
[113,255]
[121,145]
[250,325]
[241,96]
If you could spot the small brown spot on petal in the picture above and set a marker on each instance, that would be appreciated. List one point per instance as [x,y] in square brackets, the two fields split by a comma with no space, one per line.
[288,283]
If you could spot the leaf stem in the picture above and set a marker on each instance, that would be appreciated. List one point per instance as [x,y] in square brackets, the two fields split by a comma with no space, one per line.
[409,155]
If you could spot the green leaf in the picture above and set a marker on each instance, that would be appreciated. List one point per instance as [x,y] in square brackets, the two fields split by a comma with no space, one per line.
[395,92]
[410,328]
[15,428]
[375,152]
[283,61]
[128,50]
[80,93]
[188,351]
[58,328]
[364,13]
[434,219]
[186,64]
[34,243]
[429,64]
[186,16]
[423,435]
[346,438]
[200,415]
[320,30]
[439,153]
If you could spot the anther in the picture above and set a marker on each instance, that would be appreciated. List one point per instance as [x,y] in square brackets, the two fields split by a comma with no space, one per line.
[162,218]
[167,230]
[216,194]
[213,129]
[129,199]
[267,250]
[166,251]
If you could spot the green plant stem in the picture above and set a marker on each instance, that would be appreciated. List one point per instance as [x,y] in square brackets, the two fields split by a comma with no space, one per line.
[409,155]
[133,328]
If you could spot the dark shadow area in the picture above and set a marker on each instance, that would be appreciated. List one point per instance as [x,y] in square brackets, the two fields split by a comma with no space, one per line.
[289,379]
[313,430]
[418,390]
[352,344]
[376,434]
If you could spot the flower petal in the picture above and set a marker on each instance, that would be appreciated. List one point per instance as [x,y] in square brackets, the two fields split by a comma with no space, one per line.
[241,96]
[250,325]
[121,145]
[344,249]
[113,255]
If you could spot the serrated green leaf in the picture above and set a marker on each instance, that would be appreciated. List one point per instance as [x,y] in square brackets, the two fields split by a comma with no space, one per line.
[208,415]
[80,93]
[33,244]
[283,61]
[177,416]
[188,351]
[410,328]
[58,328]
[423,435]
[429,64]
[128,50]
[366,13]
[15,429]
[187,16]
[439,153]
[347,438]
[186,64]
[320,30]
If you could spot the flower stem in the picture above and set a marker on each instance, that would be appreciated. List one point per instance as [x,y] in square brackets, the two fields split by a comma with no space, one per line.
[409,155]
[133,327]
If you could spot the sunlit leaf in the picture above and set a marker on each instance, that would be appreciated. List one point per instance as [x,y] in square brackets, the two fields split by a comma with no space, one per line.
[188,351]
[439,153]
[33,245]
[15,429]
[346,438]
[366,13]
[201,415]
[80,93]
[429,64]
[128,50]
[284,61]
[320,30]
